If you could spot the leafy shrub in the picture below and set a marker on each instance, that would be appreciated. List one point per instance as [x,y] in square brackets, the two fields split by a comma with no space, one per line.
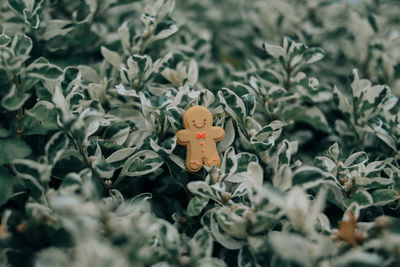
[93,92]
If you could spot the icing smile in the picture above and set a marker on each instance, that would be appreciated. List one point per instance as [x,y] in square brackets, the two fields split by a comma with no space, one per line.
[204,123]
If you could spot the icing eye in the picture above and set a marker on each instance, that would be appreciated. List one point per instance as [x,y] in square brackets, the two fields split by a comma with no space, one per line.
[204,120]
[194,121]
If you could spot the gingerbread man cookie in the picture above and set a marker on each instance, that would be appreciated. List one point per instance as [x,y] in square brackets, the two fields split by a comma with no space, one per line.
[199,137]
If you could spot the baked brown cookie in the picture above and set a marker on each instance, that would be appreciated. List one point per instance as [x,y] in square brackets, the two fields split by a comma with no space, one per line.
[199,137]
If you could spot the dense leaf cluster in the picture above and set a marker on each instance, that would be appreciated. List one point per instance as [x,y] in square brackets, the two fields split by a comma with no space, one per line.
[92,93]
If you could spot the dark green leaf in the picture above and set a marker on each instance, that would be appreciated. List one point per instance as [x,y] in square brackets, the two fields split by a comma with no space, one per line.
[306,174]
[6,185]
[196,205]
[4,39]
[384,196]
[21,45]
[18,147]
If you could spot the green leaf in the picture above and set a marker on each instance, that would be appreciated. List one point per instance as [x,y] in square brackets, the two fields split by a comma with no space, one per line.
[202,243]
[384,196]
[71,74]
[374,97]
[313,54]
[120,154]
[229,136]
[174,117]
[232,104]
[36,174]
[374,183]
[103,169]
[196,205]
[98,91]
[306,174]
[56,146]
[356,159]
[21,45]
[164,29]
[233,222]
[4,39]
[17,6]
[31,17]
[166,148]
[3,132]
[246,258]
[229,162]
[9,61]
[269,76]
[71,161]
[118,132]
[274,50]
[6,185]
[221,236]
[243,161]
[290,247]
[265,138]
[341,102]
[267,194]
[285,153]
[45,114]
[250,104]
[143,162]
[361,197]
[333,151]
[324,163]
[14,100]
[139,64]
[18,147]
[5,82]
[111,57]
[202,189]
[43,70]
[358,86]
[316,119]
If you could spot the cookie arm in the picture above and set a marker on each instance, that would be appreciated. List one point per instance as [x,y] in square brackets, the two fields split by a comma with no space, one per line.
[182,136]
[217,133]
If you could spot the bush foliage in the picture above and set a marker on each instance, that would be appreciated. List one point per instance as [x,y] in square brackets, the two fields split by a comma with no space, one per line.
[92,93]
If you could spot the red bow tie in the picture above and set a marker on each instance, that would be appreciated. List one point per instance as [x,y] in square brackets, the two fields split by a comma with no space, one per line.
[201,135]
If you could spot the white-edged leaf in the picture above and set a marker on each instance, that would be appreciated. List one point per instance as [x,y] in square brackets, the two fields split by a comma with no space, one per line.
[228,138]
[274,50]
[223,238]
[13,100]
[196,205]
[229,162]
[232,104]
[265,138]
[356,159]
[56,146]
[121,154]
[141,163]
[111,57]
[290,247]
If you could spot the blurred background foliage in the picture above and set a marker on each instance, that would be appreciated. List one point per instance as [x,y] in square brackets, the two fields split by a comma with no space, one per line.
[92,93]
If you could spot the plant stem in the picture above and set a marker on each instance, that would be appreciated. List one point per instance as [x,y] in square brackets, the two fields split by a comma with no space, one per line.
[288,73]
[20,116]
[86,160]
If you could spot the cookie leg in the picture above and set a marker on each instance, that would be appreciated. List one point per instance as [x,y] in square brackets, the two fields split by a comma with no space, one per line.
[193,162]
[213,159]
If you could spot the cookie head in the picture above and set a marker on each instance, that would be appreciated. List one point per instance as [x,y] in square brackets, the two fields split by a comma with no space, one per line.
[197,117]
